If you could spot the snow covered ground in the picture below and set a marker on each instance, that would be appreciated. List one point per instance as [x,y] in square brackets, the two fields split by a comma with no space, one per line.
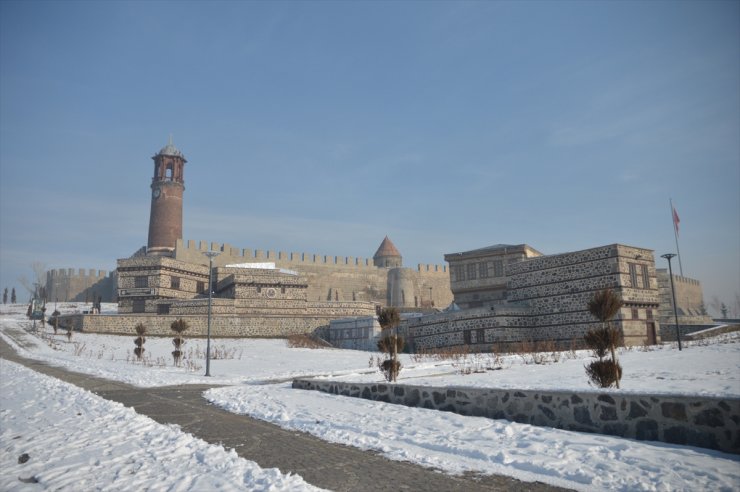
[258,374]
[78,441]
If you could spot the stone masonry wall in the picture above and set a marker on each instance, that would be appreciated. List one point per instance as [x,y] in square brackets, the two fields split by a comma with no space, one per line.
[705,422]
[330,278]
[221,326]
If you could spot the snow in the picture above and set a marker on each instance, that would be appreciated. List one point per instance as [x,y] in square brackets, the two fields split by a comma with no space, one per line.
[78,441]
[257,376]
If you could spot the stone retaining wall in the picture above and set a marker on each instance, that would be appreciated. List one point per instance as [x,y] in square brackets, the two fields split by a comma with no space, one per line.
[221,326]
[687,420]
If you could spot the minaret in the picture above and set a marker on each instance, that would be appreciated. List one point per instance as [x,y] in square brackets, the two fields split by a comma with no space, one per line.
[168,184]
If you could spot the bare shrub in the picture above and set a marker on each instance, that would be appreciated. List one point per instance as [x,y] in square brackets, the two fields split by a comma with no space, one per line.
[390,343]
[139,342]
[604,373]
[303,341]
[178,326]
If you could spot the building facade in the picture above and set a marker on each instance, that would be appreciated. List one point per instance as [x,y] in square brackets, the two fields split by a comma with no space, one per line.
[538,298]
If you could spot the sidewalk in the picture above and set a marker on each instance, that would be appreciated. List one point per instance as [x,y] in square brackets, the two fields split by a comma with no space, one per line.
[320,463]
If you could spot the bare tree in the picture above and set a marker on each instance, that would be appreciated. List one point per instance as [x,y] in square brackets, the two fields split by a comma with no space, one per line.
[716,305]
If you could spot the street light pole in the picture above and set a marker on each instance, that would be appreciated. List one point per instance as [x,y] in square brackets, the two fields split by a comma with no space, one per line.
[668,257]
[211,255]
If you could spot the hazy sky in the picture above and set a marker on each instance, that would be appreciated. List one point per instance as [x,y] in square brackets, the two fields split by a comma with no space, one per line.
[323,126]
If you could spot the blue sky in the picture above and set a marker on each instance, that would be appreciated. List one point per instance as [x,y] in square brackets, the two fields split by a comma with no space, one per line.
[323,126]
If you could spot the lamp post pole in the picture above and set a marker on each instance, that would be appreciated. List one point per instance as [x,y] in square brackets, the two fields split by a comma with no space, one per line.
[210,255]
[668,257]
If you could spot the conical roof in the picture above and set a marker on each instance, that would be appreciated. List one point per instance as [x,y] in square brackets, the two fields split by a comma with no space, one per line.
[387,248]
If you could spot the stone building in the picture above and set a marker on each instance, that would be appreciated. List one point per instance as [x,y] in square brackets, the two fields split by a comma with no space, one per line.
[255,292]
[525,296]
[692,315]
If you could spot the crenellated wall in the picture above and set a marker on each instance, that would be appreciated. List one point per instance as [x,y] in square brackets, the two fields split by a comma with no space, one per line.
[338,278]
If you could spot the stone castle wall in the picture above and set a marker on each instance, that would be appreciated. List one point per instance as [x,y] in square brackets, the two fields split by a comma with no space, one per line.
[686,420]
[71,285]
[336,278]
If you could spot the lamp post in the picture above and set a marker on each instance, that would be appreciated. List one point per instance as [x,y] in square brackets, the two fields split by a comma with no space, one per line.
[668,257]
[211,255]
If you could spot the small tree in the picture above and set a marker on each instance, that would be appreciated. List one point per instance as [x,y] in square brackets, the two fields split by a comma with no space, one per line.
[723,308]
[178,326]
[139,342]
[604,306]
[5,296]
[54,320]
[390,343]
[12,296]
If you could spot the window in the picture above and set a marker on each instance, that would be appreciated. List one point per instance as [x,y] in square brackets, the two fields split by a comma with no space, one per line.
[639,276]
[483,269]
[481,335]
[163,308]
[168,175]
[138,306]
[498,268]
[472,271]
[645,278]
[141,281]
[635,314]
[649,313]
[175,282]
[459,271]
[200,287]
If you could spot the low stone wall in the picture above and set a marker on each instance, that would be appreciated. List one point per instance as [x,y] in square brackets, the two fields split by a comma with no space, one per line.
[221,326]
[705,422]
[668,331]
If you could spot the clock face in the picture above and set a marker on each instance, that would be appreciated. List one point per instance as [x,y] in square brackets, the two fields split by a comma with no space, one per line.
[156,192]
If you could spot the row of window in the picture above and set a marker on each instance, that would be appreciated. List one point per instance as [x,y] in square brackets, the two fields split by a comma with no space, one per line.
[473,271]
[639,278]
[636,313]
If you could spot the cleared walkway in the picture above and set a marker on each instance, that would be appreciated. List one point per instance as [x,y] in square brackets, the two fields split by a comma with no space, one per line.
[326,465]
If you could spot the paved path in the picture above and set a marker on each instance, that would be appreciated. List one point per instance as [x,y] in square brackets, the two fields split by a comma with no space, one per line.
[324,464]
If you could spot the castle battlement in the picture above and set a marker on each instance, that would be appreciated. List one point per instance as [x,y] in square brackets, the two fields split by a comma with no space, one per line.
[77,273]
[191,250]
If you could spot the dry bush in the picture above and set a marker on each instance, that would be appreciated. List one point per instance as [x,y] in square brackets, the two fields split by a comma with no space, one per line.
[139,341]
[178,326]
[602,340]
[303,341]
[604,373]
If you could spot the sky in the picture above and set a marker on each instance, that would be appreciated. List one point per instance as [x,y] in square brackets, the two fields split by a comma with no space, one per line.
[321,127]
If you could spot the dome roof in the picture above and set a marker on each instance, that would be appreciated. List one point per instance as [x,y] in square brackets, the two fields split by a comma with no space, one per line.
[387,248]
[170,149]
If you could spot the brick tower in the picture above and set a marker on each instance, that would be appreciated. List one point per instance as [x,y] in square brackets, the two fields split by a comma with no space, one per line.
[168,184]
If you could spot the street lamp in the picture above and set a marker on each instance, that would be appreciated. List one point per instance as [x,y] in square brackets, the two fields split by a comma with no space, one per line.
[668,257]
[211,255]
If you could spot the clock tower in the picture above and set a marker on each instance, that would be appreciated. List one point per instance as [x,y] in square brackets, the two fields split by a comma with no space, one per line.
[168,184]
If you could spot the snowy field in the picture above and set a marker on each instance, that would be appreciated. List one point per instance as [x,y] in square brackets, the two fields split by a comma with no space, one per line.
[258,372]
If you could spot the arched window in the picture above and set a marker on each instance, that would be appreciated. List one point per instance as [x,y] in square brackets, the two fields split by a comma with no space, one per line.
[168,175]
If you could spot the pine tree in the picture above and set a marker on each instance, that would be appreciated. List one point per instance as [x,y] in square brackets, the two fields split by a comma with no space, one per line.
[604,306]
[5,296]
[12,296]
[178,327]
[390,343]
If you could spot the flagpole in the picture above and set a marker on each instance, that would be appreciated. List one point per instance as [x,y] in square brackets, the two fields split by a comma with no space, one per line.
[675,234]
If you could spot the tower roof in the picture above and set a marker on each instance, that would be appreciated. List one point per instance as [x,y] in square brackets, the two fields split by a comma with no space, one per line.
[386,248]
[170,149]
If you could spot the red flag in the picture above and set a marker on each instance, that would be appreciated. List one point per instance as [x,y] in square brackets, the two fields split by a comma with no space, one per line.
[676,220]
